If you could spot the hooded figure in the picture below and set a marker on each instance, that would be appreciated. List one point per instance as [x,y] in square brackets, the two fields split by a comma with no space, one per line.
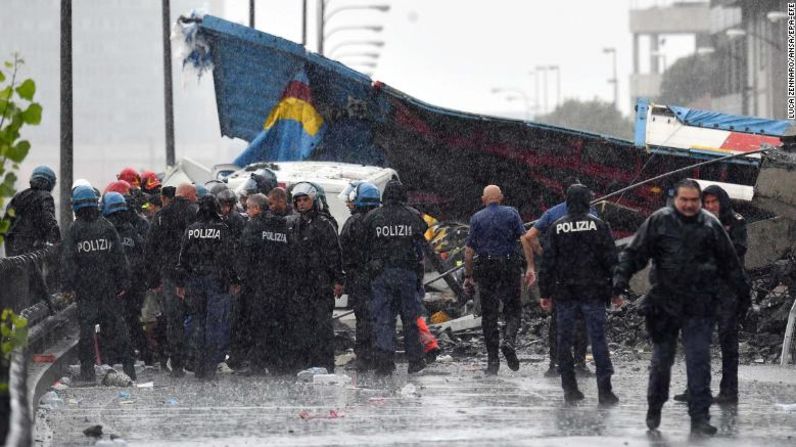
[734,223]
[577,263]
[32,215]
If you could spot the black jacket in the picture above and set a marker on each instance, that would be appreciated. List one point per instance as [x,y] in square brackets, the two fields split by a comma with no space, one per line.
[578,260]
[165,237]
[353,242]
[689,257]
[206,249]
[33,223]
[316,254]
[734,223]
[394,232]
[265,255]
[133,246]
[236,222]
[93,260]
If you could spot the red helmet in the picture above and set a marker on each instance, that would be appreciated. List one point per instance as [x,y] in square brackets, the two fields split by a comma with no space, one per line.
[149,181]
[119,186]
[130,176]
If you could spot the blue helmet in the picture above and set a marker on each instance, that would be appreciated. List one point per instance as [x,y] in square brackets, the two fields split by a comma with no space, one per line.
[113,202]
[43,176]
[84,197]
[367,194]
[201,191]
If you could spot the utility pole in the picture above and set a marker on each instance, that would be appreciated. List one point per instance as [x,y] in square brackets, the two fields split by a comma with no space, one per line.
[67,138]
[543,69]
[167,84]
[304,22]
[558,83]
[251,13]
[321,24]
[614,80]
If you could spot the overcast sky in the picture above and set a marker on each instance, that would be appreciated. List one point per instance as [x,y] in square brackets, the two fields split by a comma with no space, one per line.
[453,53]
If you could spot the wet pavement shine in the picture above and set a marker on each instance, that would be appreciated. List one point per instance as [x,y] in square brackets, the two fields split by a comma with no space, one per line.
[451,404]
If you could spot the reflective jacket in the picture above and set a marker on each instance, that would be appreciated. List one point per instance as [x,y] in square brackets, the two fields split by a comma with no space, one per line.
[578,259]
[689,256]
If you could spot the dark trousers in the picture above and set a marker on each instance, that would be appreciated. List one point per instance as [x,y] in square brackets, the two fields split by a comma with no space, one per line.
[696,332]
[241,338]
[581,341]
[103,309]
[266,324]
[175,311]
[499,281]
[594,317]
[394,292]
[208,303]
[133,302]
[311,339]
[728,340]
[359,295]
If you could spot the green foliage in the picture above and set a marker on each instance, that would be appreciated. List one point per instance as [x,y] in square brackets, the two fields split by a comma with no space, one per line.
[17,109]
[592,116]
[687,81]
[13,334]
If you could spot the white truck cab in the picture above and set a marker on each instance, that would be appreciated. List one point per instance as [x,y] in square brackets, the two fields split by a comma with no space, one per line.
[333,177]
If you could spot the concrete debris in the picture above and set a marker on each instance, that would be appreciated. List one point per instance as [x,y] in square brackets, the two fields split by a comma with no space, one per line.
[444,359]
[117,378]
[223,368]
[51,399]
[308,374]
[344,359]
[409,390]
[95,431]
[331,379]
[146,385]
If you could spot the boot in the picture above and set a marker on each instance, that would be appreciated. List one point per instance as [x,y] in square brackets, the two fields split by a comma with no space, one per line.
[702,427]
[726,398]
[129,369]
[492,366]
[583,371]
[511,357]
[653,418]
[416,366]
[573,395]
[682,397]
[606,396]
[384,364]
[552,371]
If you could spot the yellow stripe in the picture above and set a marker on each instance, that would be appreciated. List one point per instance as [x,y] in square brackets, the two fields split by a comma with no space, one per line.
[298,110]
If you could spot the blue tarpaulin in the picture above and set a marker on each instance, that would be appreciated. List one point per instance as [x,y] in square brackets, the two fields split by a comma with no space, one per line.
[738,123]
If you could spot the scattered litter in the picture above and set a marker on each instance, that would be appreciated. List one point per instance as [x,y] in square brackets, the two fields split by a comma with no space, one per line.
[116,378]
[409,390]
[51,399]
[59,386]
[333,414]
[223,368]
[95,431]
[127,402]
[146,385]
[331,379]
[172,401]
[73,401]
[124,394]
[444,359]
[308,374]
[116,442]
[789,408]
[379,401]
[43,358]
[760,360]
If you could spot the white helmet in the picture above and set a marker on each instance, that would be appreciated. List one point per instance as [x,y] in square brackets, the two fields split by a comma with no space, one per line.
[81,182]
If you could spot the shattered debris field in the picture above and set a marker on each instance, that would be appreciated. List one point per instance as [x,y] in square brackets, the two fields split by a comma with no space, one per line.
[449,403]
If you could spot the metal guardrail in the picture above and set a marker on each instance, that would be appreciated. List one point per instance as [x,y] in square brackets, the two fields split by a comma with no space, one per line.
[789,341]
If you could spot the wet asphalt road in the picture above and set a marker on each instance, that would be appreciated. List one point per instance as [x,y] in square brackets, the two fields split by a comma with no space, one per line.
[454,404]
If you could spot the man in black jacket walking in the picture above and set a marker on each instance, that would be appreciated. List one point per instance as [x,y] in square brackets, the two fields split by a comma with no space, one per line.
[32,215]
[577,264]
[691,253]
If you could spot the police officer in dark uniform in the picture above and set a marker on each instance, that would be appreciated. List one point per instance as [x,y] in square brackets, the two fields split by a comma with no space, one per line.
[162,252]
[229,213]
[114,207]
[493,237]
[691,254]
[394,233]
[361,199]
[318,276]
[716,201]
[265,273]
[577,264]
[96,270]
[206,278]
[32,220]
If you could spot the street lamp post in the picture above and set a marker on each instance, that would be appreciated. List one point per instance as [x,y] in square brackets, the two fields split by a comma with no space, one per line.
[557,69]
[519,94]
[167,83]
[375,43]
[67,140]
[613,80]
[543,69]
[323,18]
[251,13]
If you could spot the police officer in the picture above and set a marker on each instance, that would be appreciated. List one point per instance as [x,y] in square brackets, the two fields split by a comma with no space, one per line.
[318,279]
[260,181]
[493,236]
[32,220]
[578,260]
[205,279]
[162,252]
[229,213]
[394,233]
[278,203]
[532,247]
[691,253]
[265,272]
[96,270]
[361,198]
[716,201]
[114,207]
